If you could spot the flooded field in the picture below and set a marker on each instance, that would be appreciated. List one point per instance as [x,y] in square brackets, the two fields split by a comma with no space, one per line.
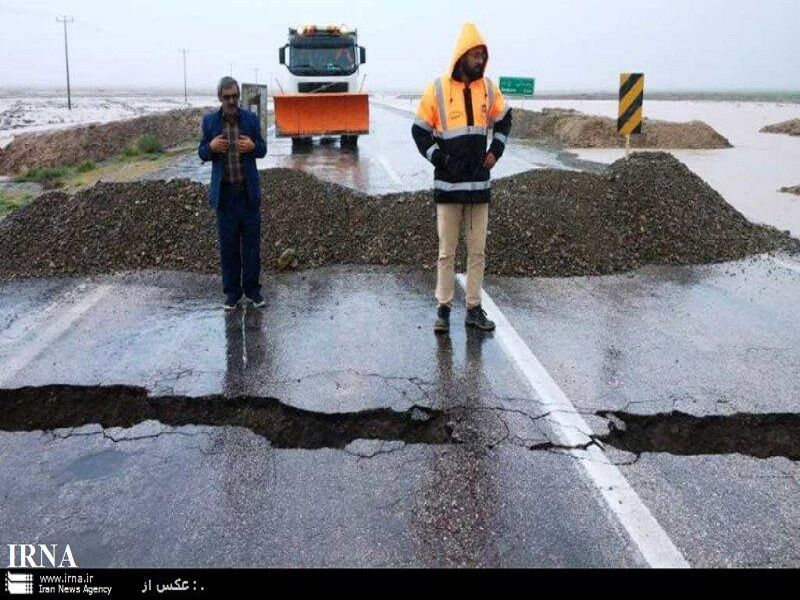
[30,111]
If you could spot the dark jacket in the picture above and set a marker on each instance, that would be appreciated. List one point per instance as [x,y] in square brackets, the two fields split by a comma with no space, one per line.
[249,126]
[452,126]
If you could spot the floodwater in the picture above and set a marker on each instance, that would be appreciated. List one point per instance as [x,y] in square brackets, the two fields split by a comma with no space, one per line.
[24,112]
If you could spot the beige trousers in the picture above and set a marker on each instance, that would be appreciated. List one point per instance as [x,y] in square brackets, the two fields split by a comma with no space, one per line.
[448,224]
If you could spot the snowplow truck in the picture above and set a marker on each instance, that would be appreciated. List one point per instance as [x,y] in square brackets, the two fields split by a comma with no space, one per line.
[322,98]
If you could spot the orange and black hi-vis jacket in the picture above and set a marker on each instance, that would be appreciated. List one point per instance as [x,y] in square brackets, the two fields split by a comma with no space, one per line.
[452,125]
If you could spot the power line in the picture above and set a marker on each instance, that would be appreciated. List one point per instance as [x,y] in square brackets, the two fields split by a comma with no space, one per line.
[64,19]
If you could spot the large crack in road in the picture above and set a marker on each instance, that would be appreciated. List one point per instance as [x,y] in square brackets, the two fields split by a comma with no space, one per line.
[757,435]
[64,406]
[54,407]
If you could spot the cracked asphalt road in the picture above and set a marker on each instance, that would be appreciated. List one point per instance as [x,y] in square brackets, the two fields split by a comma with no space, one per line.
[496,492]
[709,340]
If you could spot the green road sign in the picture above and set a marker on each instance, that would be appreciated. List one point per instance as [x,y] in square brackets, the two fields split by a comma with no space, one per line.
[517,86]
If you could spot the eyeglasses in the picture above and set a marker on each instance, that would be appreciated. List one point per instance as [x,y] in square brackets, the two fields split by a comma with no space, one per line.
[230,96]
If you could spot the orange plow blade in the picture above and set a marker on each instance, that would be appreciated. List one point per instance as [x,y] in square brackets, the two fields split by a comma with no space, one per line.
[303,115]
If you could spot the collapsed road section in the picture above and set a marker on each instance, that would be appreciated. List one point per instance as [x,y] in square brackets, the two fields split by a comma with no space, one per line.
[650,209]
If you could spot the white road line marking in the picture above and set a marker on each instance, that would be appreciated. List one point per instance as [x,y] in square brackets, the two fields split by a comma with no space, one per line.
[571,430]
[50,332]
[390,171]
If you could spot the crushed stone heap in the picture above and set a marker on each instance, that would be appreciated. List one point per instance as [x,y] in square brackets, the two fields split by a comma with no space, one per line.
[650,209]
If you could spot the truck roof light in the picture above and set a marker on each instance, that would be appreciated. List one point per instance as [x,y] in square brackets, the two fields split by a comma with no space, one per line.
[329,29]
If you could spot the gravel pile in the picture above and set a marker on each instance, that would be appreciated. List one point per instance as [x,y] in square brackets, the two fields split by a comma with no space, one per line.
[790,127]
[573,129]
[97,142]
[648,210]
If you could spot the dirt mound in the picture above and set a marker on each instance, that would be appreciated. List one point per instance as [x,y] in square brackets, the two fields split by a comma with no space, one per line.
[791,190]
[648,210]
[790,127]
[97,142]
[572,129]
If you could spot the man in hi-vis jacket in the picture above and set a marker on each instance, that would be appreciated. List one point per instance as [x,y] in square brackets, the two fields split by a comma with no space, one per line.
[454,117]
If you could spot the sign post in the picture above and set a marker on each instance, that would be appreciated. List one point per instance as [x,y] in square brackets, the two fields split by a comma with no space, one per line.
[254,99]
[631,110]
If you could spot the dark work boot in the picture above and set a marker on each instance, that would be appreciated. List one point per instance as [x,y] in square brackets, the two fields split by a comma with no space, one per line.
[476,317]
[442,324]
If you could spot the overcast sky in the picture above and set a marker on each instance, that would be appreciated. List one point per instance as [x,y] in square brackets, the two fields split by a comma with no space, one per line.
[566,44]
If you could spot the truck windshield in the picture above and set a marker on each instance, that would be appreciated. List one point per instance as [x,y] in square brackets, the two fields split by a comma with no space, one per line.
[323,61]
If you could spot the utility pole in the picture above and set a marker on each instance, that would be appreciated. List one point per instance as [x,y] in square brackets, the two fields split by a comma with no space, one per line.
[256,70]
[231,69]
[66,20]
[185,93]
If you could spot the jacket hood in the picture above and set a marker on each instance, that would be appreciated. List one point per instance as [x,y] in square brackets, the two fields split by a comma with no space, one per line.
[470,38]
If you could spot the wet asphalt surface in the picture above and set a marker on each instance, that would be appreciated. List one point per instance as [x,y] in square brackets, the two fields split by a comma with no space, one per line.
[710,340]
[705,340]
[336,340]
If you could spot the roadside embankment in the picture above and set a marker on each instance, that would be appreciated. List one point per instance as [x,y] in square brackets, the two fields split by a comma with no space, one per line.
[572,129]
[97,142]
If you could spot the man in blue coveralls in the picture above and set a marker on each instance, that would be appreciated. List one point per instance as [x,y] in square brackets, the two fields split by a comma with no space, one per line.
[232,141]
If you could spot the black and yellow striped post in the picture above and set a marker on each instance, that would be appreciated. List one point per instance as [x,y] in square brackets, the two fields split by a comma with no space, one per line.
[631,100]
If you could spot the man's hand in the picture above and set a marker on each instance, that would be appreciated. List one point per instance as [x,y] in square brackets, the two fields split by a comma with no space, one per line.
[490,161]
[219,145]
[245,144]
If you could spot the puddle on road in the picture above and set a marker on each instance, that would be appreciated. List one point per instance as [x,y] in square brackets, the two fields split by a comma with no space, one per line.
[757,435]
[62,406]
